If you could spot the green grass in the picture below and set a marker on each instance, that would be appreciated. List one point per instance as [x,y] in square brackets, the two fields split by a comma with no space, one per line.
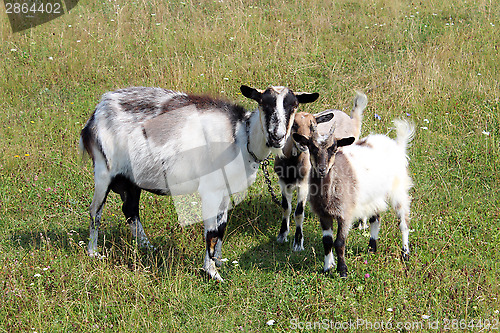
[437,61]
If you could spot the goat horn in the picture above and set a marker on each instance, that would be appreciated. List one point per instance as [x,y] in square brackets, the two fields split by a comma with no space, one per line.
[313,127]
[332,129]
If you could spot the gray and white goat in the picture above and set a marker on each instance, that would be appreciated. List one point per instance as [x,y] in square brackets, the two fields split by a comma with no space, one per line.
[171,143]
[293,166]
[357,181]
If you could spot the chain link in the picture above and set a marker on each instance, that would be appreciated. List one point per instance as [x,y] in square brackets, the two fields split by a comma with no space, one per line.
[265,163]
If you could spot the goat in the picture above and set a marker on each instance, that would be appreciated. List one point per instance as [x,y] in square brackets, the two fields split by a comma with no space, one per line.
[293,166]
[355,182]
[172,143]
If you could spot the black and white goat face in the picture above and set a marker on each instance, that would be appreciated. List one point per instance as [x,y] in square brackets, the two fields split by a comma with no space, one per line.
[277,106]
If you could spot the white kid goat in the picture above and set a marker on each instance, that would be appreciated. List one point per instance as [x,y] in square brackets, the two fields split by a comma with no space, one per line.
[355,181]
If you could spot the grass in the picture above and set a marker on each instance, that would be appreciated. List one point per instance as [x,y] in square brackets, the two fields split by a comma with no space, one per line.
[435,63]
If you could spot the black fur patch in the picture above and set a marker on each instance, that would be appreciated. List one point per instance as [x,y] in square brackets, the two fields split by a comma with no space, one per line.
[287,171]
[300,209]
[213,236]
[372,245]
[284,227]
[284,202]
[373,219]
[235,112]
[89,139]
[327,244]
[298,235]
[290,103]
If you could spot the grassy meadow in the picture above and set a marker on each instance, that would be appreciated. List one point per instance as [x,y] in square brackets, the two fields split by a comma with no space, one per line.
[435,63]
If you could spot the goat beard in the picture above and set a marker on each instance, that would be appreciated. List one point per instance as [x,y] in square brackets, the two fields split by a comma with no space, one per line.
[278,152]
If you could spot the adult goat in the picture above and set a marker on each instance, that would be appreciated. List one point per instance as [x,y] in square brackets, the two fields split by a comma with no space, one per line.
[172,143]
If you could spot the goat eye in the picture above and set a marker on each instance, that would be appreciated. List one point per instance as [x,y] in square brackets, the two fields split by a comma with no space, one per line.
[290,103]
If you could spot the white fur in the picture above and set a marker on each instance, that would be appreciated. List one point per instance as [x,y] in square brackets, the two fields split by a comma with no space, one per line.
[380,172]
[182,151]
[380,177]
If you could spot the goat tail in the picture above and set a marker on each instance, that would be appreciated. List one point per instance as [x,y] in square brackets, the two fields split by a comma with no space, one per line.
[82,151]
[84,145]
[359,105]
[405,132]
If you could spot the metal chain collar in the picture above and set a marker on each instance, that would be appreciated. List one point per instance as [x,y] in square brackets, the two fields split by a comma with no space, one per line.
[265,163]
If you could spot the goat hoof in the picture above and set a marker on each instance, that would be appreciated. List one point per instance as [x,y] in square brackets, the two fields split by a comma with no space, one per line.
[218,262]
[372,246]
[298,247]
[405,256]
[212,272]
[96,255]
[282,238]
[342,270]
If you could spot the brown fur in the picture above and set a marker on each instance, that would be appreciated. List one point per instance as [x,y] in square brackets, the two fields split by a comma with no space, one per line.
[328,196]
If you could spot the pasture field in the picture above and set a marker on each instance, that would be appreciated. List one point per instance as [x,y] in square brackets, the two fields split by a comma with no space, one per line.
[435,63]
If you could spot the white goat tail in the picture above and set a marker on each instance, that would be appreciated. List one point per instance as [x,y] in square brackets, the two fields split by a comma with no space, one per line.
[404,132]
[359,104]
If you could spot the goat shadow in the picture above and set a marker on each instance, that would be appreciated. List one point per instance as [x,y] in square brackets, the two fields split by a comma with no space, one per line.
[256,216]
[115,241]
[259,215]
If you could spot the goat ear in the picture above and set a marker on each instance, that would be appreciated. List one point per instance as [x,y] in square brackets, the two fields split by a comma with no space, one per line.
[251,93]
[324,118]
[345,142]
[304,97]
[301,140]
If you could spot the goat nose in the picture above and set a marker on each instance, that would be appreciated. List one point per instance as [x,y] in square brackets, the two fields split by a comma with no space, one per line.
[276,140]
[322,171]
[277,137]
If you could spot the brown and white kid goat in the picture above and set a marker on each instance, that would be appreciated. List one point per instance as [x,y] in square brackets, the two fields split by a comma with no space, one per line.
[356,182]
[293,166]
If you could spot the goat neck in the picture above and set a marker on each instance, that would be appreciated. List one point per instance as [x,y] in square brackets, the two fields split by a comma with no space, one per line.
[256,138]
